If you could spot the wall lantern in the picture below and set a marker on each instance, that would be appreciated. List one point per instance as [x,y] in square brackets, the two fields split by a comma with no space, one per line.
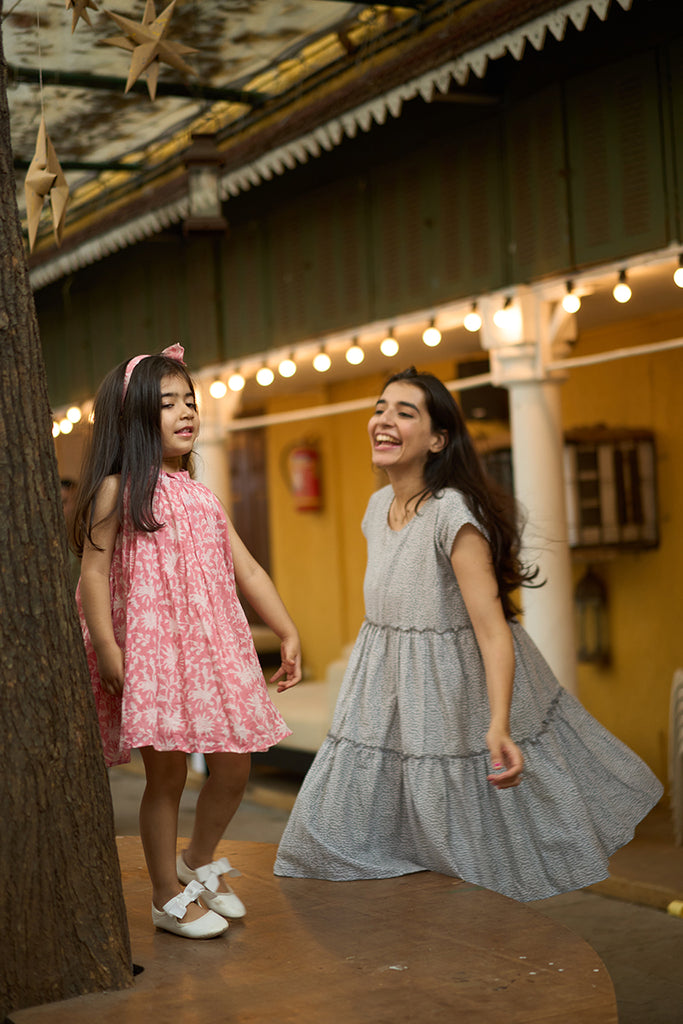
[590,603]
[203,162]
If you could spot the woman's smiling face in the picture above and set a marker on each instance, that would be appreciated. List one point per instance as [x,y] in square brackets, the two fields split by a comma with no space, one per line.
[400,430]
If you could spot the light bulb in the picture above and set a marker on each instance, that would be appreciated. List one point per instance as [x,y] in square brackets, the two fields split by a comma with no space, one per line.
[571,303]
[621,291]
[287,368]
[355,355]
[236,382]
[265,376]
[389,347]
[431,336]
[472,321]
[218,389]
[500,317]
[322,362]
[55,429]
[74,414]
[678,276]
[65,426]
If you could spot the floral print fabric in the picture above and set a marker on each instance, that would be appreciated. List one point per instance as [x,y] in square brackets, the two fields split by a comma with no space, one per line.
[192,677]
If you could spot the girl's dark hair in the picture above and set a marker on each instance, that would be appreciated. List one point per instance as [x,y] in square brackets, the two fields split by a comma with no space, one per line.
[126,440]
[458,465]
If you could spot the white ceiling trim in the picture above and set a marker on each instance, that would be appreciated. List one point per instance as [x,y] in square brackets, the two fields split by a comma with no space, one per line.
[329,135]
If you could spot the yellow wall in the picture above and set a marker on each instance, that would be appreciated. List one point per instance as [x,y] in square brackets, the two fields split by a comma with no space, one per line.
[645,591]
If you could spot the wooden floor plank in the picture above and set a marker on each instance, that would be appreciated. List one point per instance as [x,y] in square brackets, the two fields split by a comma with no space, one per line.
[422,947]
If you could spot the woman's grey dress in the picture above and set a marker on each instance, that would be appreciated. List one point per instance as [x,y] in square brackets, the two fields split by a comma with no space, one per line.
[399,784]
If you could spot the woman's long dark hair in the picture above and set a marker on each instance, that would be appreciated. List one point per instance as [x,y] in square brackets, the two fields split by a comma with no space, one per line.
[458,465]
[126,440]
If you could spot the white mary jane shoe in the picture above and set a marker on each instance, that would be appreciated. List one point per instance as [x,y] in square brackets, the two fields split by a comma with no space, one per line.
[227,904]
[170,918]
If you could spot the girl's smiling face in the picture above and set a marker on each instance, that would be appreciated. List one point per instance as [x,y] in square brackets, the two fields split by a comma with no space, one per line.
[179,421]
[401,431]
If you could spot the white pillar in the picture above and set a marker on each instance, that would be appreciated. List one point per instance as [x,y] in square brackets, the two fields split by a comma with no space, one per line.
[211,462]
[520,346]
[537,460]
[211,467]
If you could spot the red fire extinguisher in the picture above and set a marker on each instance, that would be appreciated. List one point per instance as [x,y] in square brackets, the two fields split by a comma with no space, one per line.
[303,473]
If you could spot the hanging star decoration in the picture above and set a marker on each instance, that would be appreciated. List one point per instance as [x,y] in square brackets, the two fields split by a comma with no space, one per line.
[80,10]
[147,42]
[44,178]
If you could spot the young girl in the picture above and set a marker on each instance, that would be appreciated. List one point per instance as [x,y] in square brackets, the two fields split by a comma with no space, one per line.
[169,649]
[446,698]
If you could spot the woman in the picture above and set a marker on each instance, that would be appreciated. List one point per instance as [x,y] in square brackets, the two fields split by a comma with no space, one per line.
[420,770]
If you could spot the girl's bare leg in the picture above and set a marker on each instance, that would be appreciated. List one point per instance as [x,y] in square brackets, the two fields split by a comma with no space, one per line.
[217,802]
[166,773]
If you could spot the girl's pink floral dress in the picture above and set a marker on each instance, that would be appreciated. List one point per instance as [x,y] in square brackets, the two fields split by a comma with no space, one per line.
[192,677]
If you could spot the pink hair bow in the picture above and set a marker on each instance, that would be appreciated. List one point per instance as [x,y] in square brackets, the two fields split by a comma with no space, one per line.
[176,352]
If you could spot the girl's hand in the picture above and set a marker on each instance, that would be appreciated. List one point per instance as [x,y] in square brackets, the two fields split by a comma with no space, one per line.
[289,672]
[505,755]
[110,667]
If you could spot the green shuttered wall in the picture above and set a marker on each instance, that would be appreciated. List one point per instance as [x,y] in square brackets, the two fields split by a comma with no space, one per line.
[583,170]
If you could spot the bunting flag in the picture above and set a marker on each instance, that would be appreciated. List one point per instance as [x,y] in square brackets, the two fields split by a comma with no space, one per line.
[44,178]
[147,42]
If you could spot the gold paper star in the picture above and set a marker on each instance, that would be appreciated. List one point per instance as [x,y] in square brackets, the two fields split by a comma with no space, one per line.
[80,9]
[44,178]
[147,42]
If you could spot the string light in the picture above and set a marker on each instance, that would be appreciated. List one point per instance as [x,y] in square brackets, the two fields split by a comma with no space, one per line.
[236,382]
[74,414]
[500,317]
[389,346]
[472,321]
[678,272]
[287,367]
[355,354]
[571,303]
[322,362]
[218,389]
[265,376]
[55,429]
[65,426]
[431,336]
[621,291]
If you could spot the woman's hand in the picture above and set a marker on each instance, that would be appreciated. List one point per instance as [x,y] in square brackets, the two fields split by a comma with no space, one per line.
[110,667]
[289,672]
[507,760]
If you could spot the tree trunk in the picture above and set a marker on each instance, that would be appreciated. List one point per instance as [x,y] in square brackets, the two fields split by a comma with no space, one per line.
[63,929]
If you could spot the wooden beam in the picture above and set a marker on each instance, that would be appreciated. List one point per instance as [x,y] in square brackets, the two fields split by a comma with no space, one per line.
[109,83]
[412,5]
[86,165]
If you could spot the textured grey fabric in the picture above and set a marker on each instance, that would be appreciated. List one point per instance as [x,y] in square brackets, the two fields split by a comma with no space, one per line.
[399,784]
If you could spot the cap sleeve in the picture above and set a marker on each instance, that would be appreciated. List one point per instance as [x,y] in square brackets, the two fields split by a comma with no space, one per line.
[452,515]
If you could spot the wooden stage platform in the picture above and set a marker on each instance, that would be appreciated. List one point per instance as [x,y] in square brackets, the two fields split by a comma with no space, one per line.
[419,949]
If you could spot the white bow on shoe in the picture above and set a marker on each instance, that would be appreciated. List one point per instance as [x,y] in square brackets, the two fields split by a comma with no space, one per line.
[227,904]
[210,874]
[170,917]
